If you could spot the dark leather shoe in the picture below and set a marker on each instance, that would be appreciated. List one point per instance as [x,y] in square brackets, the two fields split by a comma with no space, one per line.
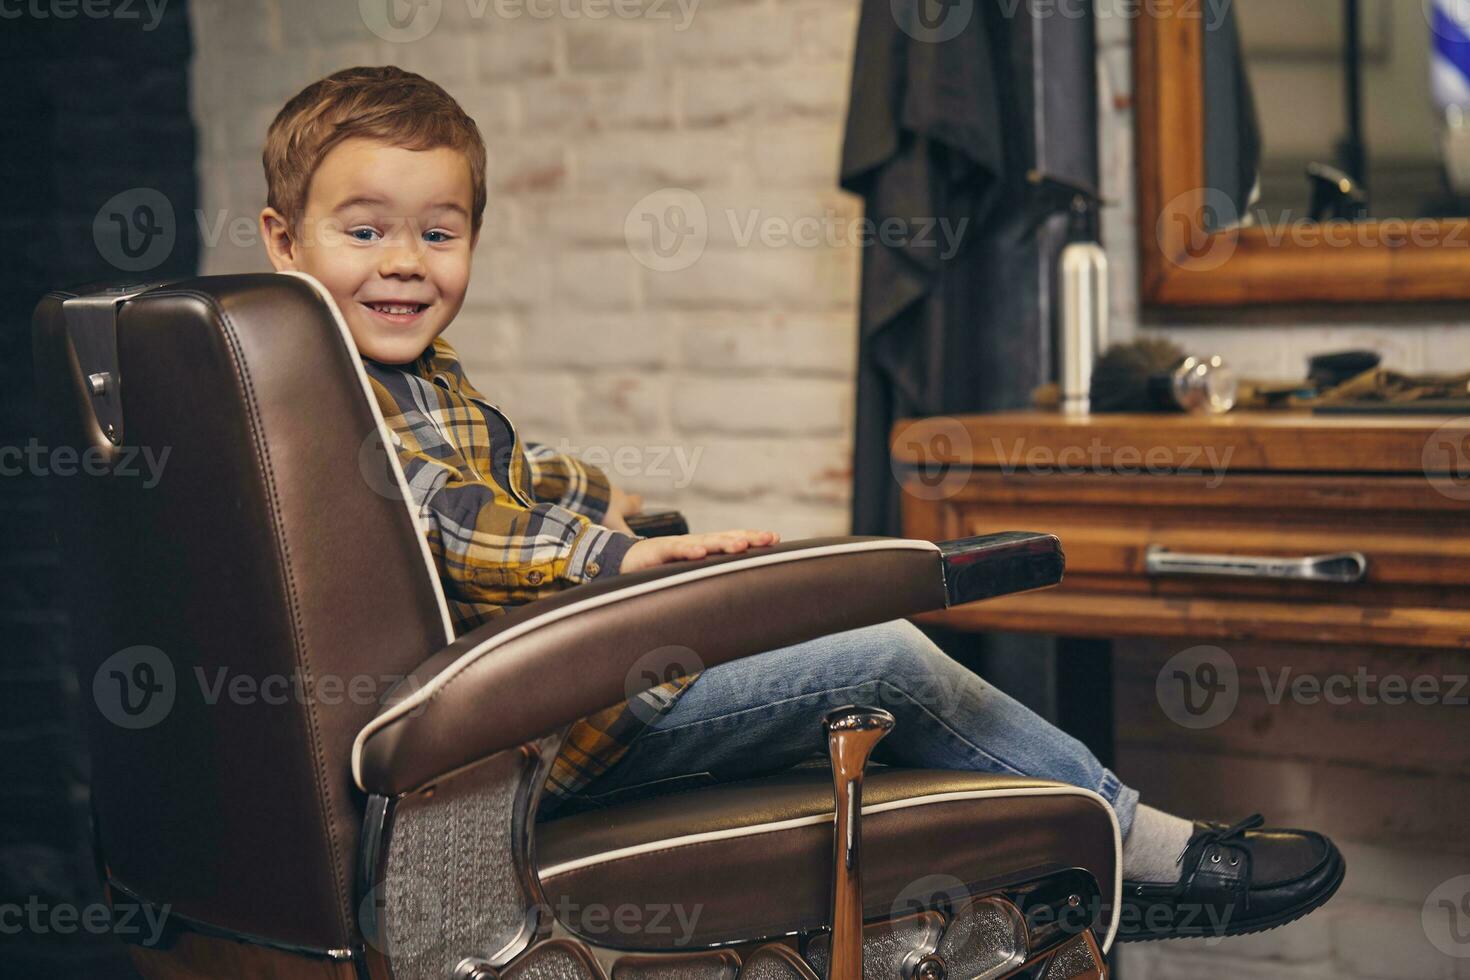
[1234,880]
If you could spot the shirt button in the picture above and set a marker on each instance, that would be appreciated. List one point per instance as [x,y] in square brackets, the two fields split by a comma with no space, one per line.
[593,568]
[534,578]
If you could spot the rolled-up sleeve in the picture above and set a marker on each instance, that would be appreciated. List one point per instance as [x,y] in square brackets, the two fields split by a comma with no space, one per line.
[491,548]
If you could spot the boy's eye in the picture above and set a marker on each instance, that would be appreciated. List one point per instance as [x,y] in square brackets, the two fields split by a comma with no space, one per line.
[436,236]
[363,234]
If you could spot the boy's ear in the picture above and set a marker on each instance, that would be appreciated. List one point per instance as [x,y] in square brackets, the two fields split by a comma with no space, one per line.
[275,231]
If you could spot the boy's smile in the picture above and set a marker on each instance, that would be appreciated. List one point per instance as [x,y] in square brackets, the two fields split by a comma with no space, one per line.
[387,230]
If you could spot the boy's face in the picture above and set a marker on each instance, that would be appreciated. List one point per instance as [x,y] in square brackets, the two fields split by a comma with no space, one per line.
[388,232]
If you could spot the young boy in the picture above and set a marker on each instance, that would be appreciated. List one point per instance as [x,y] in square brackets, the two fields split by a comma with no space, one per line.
[376,186]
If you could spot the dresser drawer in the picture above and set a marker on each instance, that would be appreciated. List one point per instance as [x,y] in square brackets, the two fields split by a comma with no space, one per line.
[1244,535]
[1413,540]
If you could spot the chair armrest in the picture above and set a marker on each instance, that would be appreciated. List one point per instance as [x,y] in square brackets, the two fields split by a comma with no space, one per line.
[551,662]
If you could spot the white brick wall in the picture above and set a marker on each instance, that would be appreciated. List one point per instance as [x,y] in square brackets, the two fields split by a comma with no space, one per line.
[740,365]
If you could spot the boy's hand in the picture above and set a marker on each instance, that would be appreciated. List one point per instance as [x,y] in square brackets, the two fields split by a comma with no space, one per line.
[619,506]
[690,547]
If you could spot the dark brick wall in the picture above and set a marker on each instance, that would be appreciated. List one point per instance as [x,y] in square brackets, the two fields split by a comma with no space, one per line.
[92,107]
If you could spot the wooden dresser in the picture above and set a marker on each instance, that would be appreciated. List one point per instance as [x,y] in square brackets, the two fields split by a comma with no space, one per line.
[1162,518]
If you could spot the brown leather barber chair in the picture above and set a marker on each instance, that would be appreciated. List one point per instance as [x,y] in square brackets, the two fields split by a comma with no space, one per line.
[302,773]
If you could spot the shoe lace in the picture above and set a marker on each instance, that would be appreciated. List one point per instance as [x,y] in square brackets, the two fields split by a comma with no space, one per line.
[1235,833]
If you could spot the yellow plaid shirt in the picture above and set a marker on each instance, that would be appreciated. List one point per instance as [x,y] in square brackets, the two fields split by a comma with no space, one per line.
[507,522]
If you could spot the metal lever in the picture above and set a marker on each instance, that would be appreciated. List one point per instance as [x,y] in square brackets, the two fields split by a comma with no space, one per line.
[1348,566]
[852,734]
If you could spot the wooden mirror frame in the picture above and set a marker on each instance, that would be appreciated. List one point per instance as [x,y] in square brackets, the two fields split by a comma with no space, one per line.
[1389,260]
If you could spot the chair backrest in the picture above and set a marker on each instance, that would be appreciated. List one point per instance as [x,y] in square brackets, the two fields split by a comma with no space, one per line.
[240,603]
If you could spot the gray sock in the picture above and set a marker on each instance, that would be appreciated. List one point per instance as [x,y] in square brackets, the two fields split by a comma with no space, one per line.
[1154,841]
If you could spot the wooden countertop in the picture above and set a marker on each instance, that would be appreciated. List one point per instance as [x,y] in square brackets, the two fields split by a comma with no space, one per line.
[1255,441]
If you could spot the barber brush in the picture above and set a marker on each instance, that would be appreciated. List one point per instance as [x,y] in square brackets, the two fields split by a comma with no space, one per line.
[1154,375]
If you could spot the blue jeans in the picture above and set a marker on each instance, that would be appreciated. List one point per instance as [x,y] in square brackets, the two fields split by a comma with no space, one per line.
[764,713]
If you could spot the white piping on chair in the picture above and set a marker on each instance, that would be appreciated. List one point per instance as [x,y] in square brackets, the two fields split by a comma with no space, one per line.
[428,690]
[776,826]
[420,531]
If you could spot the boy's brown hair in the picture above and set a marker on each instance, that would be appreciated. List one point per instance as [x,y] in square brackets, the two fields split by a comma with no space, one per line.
[384,103]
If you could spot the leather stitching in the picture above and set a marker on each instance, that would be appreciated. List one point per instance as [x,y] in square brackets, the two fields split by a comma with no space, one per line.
[262,453]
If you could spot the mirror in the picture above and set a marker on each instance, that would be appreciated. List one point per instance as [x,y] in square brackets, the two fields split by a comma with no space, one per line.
[1338,109]
[1303,150]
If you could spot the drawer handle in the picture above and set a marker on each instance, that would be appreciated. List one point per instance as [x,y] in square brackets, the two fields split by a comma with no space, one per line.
[1347,566]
